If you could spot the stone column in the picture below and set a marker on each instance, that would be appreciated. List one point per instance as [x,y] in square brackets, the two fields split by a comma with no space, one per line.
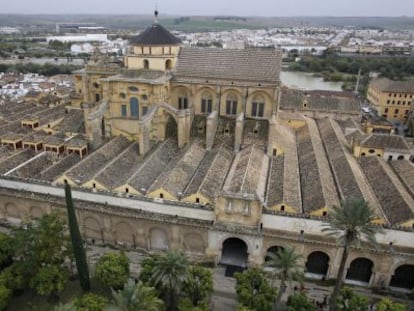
[211,128]
[238,132]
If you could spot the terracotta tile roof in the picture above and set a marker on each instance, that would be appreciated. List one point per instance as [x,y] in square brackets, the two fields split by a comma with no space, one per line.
[275,182]
[384,141]
[294,99]
[386,85]
[156,35]
[393,204]
[247,173]
[260,65]
[405,171]
[310,181]
[92,164]
[57,169]
[146,175]
[211,173]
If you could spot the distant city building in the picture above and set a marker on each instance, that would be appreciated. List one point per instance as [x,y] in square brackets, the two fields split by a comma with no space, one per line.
[392,99]
[79,38]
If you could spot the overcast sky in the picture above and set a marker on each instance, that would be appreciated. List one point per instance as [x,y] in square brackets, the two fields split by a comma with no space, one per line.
[215,7]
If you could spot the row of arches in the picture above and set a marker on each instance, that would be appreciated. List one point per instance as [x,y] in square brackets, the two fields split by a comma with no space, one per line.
[11,210]
[155,238]
[231,101]
[359,271]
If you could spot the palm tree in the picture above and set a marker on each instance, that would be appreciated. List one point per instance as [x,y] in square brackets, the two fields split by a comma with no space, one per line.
[288,268]
[168,275]
[351,224]
[137,297]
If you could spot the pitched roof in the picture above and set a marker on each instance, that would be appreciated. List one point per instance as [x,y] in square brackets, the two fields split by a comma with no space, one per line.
[384,141]
[386,85]
[156,35]
[259,65]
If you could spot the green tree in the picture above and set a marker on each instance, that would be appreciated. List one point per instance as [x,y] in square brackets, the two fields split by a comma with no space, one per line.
[351,224]
[168,275]
[65,307]
[14,277]
[146,269]
[5,295]
[254,291]
[287,269]
[38,245]
[77,243]
[137,297]
[49,280]
[90,302]
[112,270]
[388,305]
[198,286]
[6,250]
[299,302]
[348,300]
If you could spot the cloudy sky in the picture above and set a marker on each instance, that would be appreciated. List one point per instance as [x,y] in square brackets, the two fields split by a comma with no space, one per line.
[215,7]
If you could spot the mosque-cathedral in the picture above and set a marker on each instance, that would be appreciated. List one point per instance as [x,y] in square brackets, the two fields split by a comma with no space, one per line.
[204,150]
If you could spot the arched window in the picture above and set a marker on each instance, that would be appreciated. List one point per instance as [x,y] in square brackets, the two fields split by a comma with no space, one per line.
[168,64]
[134,107]
[206,103]
[96,85]
[231,104]
[182,100]
[146,64]
[258,107]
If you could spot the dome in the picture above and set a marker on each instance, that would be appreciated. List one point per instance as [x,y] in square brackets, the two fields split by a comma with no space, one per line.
[156,35]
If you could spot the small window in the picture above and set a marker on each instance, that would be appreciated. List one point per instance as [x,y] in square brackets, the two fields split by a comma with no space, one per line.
[168,64]
[206,103]
[197,200]
[94,185]
[182,103]
[144,97]
[282,208]
[274,152]
[123,110]
[231,105]
[324,213]
[96,85]
[371,151]
[396,111]
[257,109]
[97,97]
[146,64]
[134,107]
[122,95]
[144,110]
[126,190]
[386,110]
[133,89]
[161,195]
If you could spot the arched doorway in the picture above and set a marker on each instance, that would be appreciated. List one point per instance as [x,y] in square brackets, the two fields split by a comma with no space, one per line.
[317,264]
[234,255]
[403,277]
[168,64]
[273,250]
[360,270]
[171,129]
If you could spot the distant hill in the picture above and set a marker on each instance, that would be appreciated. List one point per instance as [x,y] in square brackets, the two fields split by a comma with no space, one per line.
[205,23]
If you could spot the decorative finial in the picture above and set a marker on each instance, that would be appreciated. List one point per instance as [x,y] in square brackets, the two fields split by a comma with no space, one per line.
[156,13]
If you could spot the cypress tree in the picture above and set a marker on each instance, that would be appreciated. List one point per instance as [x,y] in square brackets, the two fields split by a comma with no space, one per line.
[77,243]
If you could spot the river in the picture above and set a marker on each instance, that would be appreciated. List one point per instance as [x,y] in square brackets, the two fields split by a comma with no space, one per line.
[306,81]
